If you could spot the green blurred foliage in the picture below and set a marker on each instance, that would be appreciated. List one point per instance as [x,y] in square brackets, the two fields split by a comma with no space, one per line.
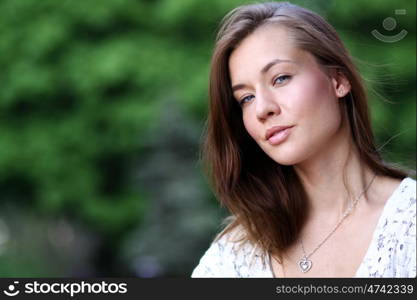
[102,105]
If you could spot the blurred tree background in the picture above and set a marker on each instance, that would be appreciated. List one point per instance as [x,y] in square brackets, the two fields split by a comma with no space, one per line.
[102,107]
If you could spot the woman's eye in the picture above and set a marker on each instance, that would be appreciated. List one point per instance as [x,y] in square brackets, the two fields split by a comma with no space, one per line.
[246,99]
[281,79]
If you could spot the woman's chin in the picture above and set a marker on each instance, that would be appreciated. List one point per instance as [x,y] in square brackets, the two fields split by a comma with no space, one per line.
[286,160]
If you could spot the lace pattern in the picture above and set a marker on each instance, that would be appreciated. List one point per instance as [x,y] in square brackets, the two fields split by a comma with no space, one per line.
[391,253]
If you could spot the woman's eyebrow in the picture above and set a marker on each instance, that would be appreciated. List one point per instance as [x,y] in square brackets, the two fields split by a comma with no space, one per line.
[264,70]
[274,62]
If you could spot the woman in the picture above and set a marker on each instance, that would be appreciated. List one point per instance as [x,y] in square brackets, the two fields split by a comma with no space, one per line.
[291,154]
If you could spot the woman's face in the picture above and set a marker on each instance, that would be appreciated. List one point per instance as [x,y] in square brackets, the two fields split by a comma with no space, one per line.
[278,85]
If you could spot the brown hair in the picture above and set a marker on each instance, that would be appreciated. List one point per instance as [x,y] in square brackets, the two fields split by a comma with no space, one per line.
[265,198]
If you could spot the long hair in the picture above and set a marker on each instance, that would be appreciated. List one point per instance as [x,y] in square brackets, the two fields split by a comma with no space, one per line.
[265,198]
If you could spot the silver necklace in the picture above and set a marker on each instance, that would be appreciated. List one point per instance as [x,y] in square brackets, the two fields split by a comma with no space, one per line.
[305,263]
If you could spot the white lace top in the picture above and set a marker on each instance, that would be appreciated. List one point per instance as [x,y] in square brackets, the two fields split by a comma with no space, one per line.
[391,253]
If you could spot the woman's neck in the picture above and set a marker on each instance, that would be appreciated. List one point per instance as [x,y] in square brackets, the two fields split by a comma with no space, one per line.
[323,180]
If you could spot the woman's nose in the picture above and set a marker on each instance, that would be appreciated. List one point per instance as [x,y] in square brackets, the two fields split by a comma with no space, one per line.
[266,105]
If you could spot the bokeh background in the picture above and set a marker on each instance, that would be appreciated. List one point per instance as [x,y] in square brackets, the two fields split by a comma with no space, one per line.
[102,107]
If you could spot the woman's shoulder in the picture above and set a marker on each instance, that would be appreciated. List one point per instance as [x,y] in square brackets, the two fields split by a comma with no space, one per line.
[230,255]
[393,250]
[398,217]
[402,203]
[407,187]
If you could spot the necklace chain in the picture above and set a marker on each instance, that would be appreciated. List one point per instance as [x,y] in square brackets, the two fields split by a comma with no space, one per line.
[347,213]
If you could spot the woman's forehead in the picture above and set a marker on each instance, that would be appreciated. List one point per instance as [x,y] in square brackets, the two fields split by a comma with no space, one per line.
[263,45]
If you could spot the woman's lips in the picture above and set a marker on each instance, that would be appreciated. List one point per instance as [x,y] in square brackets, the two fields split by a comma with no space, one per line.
[279,136]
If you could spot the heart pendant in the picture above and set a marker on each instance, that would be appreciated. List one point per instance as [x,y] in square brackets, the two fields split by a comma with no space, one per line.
[305,264]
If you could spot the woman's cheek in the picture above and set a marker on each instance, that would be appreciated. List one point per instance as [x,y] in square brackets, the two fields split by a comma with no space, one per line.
[251,127]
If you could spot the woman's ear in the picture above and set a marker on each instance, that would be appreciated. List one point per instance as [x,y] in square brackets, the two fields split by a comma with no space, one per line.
[341,84]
